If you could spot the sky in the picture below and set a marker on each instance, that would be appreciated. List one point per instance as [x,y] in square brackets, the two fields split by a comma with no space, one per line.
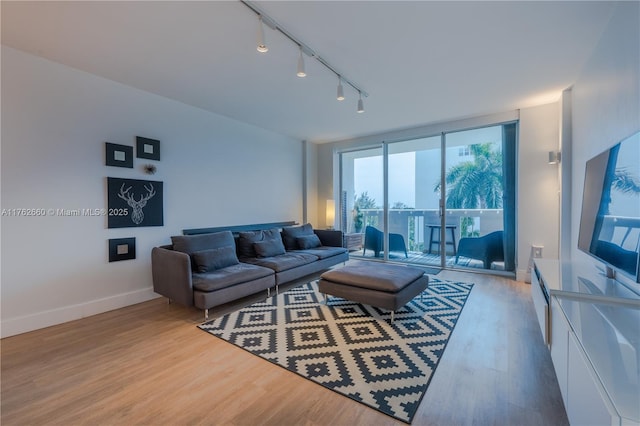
[402,186]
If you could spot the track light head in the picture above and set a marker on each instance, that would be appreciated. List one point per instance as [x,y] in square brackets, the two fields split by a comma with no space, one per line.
[301,71]
[262,47]
[340,96]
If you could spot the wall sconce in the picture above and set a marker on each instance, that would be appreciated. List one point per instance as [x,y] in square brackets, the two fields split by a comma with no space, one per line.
[331,213]
[554,157]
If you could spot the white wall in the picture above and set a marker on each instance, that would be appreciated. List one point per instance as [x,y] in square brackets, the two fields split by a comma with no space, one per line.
[605,102]
[55,120]
[311,173]
[538,185]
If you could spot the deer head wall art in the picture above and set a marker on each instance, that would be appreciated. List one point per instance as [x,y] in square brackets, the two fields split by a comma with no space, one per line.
[133,202]
[137,216]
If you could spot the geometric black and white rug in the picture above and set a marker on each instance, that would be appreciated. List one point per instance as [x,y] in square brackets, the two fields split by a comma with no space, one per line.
[349,347]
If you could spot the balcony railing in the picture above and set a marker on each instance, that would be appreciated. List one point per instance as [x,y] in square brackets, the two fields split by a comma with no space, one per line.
[415,224]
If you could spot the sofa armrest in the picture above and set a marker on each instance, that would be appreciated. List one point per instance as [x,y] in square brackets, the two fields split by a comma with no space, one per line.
[171,271]
[329,237]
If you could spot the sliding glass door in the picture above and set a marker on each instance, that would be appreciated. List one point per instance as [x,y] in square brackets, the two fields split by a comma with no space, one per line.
[447,200]
[479,182]
[362,199]
[414,174]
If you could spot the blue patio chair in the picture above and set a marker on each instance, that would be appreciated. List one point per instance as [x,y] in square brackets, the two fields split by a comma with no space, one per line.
[488,248]
[374,240]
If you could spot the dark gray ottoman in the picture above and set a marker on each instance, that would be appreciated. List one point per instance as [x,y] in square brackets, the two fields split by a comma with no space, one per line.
[376,284]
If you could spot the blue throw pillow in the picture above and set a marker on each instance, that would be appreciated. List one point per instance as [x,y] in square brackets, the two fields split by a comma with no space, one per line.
[290,233]
[308,242]
[246,241]
[269,248]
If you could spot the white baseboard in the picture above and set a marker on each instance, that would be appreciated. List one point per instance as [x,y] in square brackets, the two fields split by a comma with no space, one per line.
[36,321]
[523,275]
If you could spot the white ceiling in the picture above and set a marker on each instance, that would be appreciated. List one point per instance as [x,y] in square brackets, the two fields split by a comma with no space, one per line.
[420,62]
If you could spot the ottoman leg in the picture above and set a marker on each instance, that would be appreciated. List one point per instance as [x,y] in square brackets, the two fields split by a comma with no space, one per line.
[393,314]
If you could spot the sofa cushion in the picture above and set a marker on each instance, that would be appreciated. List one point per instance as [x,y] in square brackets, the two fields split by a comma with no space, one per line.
[324,252]
[248,238]
[308,242]
[192,243]
[245,243]
[229,276]
[285,261]
[217,258]
[290,233]
[268,248]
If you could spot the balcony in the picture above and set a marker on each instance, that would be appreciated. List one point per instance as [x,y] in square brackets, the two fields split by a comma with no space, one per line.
[420,227]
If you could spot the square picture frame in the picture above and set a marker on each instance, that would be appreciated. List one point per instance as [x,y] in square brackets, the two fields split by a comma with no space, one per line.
[134,203]
[122,249]
[147,148]
[118,155]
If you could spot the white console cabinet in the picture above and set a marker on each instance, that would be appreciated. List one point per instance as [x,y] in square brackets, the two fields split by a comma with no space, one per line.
[591,325]
[586,404]
[560,348]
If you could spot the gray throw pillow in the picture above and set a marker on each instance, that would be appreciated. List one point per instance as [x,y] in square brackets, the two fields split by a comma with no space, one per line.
[246,240]
[217,258]
[192,243]
[308,242]
[290,233]
[269,248]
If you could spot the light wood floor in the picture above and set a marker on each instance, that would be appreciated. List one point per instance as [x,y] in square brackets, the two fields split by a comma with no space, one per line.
[150,364]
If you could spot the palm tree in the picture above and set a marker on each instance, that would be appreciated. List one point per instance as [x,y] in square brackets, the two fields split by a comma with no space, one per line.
[618,179]
[475,184]
[625,182]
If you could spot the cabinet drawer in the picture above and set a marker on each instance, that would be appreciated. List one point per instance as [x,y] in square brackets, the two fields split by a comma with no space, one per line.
[587,402]
[541,308]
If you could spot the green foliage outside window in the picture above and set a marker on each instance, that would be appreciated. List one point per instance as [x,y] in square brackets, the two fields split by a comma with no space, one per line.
[475,184]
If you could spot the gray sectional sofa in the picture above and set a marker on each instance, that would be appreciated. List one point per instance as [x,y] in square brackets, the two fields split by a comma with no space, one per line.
[211,269]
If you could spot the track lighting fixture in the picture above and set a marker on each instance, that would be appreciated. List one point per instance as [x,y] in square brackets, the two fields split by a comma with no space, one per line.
[301,72]
[264,19]
[340,96]
[262,47]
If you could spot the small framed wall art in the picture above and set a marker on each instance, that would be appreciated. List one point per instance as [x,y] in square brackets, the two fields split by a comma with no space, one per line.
[147,148]
[119,155]
[122,249]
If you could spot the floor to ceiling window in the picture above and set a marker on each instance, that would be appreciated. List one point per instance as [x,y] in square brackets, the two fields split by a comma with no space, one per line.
[450,199]
[362,198]
[414,172]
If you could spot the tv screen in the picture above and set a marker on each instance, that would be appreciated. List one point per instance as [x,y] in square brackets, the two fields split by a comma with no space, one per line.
[610,217]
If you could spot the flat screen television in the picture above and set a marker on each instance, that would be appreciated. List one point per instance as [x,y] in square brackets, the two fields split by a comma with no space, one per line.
[610,217]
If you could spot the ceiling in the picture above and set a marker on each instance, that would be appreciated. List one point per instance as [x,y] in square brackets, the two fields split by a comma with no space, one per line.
[421,62]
